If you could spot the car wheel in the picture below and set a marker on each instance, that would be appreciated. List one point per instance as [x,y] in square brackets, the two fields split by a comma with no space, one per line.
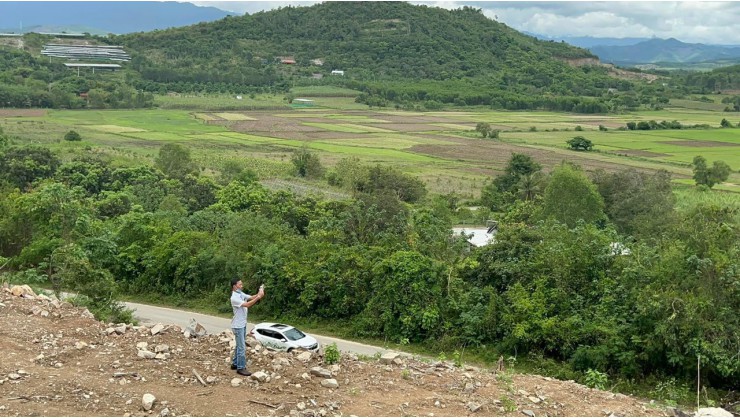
[290,350]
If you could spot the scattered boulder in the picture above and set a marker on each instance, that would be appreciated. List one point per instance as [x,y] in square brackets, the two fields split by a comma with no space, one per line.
[260,376]
[236,382]
[14,376]
[320,372]
[305,356]
[474,406]
[469,387]
[142,345]
[157,329]
[534,399]
[22,291]
[80,345]
[120,329]
[713,412]
[146,354]
[147,401]
[528,413]
[195,329]
[329,383]
[389,357]
[162,348]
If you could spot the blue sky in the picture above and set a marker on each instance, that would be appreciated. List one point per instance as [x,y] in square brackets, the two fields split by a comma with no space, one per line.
[706,22]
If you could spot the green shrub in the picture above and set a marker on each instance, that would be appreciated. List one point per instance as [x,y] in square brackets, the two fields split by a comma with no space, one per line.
[72,136]
[596,379]
[331,354]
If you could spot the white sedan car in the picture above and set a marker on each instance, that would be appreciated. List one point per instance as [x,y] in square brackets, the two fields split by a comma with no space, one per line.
[283,337]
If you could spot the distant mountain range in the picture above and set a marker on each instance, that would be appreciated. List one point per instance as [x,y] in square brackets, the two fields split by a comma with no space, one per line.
[635,51]
[665,51]
[101,17]
[588,41]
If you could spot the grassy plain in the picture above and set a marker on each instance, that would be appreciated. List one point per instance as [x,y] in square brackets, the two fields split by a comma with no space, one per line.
[451,158]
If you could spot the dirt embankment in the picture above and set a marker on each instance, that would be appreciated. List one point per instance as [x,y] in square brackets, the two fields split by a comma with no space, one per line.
[59,361]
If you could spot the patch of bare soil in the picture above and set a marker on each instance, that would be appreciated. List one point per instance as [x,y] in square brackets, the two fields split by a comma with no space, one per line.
[702,143]
[640,153]
[59,361]
[407,128]
[13,112]
[317,135]
[495,154]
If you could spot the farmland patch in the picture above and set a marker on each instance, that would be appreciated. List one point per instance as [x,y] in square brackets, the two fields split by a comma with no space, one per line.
[11,112]
[701,143]
[115,129]
[230,116]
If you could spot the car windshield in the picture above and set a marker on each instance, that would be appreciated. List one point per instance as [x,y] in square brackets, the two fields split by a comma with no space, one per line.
[294,334]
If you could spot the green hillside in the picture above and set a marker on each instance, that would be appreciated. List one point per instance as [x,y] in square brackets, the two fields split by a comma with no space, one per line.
[395,54]
[380,46]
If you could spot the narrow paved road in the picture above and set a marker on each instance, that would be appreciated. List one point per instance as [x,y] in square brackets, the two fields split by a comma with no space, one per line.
[215,325]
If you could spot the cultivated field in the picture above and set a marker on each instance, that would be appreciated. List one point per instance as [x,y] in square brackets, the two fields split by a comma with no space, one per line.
[441,148]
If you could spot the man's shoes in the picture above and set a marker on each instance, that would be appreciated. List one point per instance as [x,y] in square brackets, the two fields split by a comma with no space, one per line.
[243,372]
[233,367]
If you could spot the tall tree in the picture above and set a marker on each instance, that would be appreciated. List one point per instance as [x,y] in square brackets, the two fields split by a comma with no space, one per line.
[571,196]
[175,161]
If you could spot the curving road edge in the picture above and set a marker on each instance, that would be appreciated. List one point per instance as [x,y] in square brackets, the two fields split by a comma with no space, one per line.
[215,325]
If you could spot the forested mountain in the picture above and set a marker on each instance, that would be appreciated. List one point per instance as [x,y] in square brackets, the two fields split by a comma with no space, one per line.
[118,17]
[382,47]
[665,50]
[396,53]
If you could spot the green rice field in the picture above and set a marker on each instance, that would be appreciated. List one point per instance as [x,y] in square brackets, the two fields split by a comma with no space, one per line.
[440,147]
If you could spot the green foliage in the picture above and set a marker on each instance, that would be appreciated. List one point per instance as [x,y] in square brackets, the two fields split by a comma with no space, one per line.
[4,140]
[596,379]
[485,130]
[406,297]
[571,196]
[331,354]
[307,164]
[508,404]
[704,175]
[385,179]
[638,204]
[72,136]
[580,143]
[724,123]
[175,161]
[457,358]
[563,290]
[22,166]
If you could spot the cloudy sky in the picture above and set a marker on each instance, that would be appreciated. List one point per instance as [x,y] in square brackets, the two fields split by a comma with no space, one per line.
[706,22]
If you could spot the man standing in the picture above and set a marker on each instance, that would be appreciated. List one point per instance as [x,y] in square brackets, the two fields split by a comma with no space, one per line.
[240,301]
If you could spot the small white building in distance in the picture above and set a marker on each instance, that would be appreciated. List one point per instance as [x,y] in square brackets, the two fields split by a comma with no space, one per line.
[481,236]
[337,72]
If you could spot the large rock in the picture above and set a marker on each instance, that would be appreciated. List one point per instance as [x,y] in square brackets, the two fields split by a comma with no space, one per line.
[389,357]
[713,412]
[22,291]
[236,382]
[320,372]
[147,401]
[260,376]
[145,354]
[162,348]
[329,383]
[120,329]
[157,329]
[195,329]
[305,356]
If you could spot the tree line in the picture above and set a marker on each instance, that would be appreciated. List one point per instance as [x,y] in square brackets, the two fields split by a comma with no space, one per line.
[598,272]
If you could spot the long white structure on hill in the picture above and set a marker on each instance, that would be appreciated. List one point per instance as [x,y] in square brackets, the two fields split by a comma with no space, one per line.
[86,52]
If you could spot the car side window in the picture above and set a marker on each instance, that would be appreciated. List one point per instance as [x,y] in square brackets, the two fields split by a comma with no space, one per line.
[279,336]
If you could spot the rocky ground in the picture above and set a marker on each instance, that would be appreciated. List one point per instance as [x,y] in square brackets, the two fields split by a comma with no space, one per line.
[57,360]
